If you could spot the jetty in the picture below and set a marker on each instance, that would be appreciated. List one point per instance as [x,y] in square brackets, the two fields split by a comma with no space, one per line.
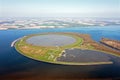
[13,43]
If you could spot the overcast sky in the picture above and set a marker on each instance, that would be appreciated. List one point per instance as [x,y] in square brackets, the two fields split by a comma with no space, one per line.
[59,8]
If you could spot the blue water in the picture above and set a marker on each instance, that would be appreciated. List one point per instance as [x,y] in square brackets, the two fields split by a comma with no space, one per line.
[14,65]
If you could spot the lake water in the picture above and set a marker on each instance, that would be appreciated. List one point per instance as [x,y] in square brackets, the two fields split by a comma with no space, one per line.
[83,56]
[14,66]
[51,40]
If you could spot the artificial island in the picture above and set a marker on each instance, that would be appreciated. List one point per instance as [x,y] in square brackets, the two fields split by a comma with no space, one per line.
[65,48]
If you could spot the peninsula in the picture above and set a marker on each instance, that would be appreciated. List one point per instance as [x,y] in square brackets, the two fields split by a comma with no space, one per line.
[65,48]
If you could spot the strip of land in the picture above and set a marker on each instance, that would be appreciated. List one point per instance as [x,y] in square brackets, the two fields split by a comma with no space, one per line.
[111,43]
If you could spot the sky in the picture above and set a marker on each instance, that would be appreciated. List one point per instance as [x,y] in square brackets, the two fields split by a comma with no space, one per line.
[59,8]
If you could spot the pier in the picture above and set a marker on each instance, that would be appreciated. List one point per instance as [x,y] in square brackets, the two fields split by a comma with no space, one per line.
[13,43]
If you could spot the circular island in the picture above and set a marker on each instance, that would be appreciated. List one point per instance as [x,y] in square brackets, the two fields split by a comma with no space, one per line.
[61,48]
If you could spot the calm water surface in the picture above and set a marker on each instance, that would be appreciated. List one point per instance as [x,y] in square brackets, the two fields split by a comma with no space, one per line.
[51,40]
[14,66]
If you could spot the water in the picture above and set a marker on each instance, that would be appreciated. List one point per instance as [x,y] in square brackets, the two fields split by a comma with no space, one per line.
[51,40]
[14,66]
[78,55]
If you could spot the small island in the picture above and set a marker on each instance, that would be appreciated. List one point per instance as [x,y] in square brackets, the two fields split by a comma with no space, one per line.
[65,48]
